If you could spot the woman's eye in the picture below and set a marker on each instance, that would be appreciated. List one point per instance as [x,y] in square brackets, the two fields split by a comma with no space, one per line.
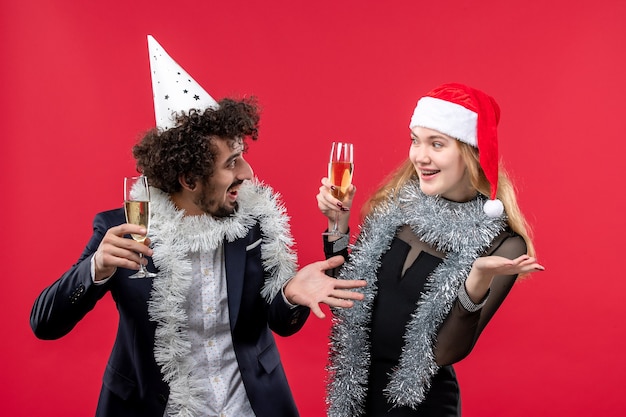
[437,145]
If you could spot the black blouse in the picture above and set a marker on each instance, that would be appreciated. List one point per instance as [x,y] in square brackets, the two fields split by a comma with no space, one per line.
[401,279]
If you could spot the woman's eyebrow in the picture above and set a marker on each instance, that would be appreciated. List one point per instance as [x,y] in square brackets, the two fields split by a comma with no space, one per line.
[431,137]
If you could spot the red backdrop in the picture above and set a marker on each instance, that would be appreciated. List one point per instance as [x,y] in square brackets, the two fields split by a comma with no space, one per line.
[76,94]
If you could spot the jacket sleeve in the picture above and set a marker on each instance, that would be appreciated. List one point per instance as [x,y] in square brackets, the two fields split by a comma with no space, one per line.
[460,331]
[255,310]
[284,319]
[63,304]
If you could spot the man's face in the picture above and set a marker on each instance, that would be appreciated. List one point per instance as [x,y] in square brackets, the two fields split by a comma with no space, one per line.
[218,195]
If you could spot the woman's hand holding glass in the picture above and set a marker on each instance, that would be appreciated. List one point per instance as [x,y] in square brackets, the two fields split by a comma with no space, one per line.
[334,209]
[340,170]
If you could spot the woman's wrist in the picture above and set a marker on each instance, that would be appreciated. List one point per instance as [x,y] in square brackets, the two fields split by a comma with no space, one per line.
[477,285]
[469,304]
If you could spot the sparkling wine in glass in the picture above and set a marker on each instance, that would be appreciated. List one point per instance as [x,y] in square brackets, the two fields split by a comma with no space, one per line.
[340,169]
[137,209]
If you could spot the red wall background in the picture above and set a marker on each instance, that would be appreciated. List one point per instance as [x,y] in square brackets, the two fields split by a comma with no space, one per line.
[76,95]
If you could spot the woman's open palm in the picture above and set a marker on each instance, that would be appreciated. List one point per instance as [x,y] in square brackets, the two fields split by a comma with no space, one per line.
[498,265]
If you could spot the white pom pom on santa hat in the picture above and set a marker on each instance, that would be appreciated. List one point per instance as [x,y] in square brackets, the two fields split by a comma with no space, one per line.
[493,208]
[470,116]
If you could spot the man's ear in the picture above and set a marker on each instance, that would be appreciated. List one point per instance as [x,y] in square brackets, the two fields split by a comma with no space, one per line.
[186,182]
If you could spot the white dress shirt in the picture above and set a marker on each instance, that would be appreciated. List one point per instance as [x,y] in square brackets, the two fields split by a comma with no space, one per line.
[211,339]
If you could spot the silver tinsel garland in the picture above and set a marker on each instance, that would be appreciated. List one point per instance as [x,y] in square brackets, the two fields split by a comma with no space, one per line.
[463,232]
[174,236]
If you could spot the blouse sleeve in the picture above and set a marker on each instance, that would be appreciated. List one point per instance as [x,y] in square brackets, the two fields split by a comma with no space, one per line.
[460,330]
[337,247]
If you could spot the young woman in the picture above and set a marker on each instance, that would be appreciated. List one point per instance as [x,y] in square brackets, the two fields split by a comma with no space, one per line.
[442,243]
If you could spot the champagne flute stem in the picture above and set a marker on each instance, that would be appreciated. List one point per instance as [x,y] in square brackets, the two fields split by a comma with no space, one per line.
[141,267]
[336,224]
[143,270]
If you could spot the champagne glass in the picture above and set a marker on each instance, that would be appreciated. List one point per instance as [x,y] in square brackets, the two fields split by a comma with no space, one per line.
[340,170]
[137,208]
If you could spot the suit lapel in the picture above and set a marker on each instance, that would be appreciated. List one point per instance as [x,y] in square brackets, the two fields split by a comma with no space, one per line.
[235,261]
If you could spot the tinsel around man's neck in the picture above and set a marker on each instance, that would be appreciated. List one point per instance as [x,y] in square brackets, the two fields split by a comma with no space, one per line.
[174,236]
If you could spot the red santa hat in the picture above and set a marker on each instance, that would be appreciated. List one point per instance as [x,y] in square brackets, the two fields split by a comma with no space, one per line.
[173,89]
[468,115]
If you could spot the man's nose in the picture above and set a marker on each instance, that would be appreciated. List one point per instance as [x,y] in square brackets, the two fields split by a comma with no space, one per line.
[245,171]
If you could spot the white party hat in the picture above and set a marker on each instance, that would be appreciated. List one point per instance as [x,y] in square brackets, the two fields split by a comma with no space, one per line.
[173,89]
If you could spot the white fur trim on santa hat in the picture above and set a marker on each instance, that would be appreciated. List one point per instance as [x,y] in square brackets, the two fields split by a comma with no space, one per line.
[446,117]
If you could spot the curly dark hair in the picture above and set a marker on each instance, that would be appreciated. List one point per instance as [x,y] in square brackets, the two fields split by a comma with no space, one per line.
[187,149]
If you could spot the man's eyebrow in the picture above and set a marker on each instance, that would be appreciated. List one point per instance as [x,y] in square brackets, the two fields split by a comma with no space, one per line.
[233,157]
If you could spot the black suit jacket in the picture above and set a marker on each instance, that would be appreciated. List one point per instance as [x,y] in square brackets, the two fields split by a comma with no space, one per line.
[132,382]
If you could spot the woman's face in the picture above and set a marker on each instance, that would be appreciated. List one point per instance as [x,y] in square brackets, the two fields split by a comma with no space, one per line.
[439,165]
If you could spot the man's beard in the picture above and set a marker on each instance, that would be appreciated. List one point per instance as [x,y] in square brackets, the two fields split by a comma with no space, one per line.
[225,211]
[220,211]
[212,208]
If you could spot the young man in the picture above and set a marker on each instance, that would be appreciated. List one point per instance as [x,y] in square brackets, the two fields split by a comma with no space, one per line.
[196,339]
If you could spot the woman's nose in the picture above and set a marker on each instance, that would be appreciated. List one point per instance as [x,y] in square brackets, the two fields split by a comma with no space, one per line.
[421,155]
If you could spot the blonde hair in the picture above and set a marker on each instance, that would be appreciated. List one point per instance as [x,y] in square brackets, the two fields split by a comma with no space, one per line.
[506,191]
